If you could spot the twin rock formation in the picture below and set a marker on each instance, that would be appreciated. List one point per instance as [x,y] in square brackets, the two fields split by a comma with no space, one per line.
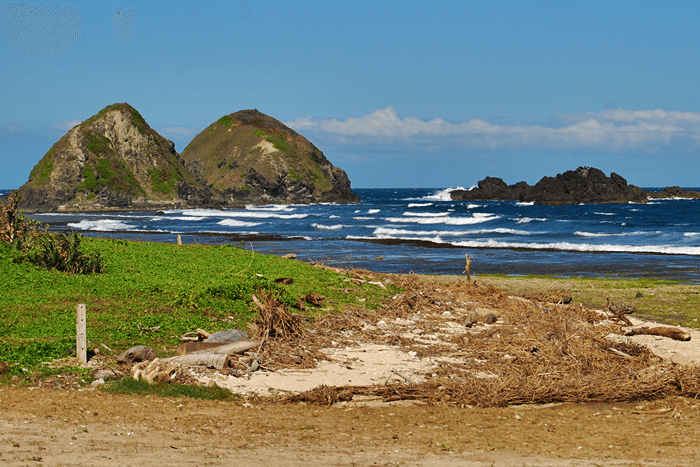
[116,161]
[585,185]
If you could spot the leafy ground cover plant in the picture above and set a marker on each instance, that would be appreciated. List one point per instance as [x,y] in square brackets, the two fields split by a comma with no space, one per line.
[177,287]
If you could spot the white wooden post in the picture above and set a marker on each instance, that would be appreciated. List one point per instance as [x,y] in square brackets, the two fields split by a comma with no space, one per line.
[80,332]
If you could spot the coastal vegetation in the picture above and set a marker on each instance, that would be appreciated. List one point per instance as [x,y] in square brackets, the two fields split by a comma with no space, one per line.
[137,285]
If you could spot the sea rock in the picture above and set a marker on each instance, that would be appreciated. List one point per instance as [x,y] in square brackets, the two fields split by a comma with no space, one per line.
[138,353]
[674,192]
[584,185]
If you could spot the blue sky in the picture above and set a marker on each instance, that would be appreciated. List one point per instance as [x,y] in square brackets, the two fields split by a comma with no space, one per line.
[396,93]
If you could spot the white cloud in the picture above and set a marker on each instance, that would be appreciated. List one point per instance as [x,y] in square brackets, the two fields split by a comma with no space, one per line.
[12,128]
[613,130]
[180,132]
[65,125]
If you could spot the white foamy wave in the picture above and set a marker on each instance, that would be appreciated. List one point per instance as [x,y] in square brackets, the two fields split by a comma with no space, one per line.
[237,223]
[269,215]
[104,225]
[606,234]
[271,207]
[419,205]
[566,246]
[426,214]
[246,214]
[446,233]
[691,234]
[333,217]
[177,218]
[246,232]
[373,211]
[604,213]
[360,218]
[328,227]
[444,195]
[470,206]
[445,220]
[523,203]
[527,220]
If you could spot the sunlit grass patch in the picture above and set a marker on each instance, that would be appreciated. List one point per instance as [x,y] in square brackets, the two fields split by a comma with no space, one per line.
[129,386]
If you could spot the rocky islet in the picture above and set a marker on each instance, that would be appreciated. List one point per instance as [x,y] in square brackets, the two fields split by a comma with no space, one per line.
[585,185]
[115,161]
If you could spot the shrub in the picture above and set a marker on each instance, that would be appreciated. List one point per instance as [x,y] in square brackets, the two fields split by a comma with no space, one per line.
[15,227]
[62,252]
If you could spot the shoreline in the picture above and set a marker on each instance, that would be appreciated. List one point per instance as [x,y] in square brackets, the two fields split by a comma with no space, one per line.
[402,257]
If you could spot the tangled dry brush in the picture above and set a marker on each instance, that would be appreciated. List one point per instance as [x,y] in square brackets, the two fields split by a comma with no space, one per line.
[536,352]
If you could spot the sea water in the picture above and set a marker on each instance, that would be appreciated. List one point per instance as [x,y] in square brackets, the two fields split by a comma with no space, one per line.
[424,231]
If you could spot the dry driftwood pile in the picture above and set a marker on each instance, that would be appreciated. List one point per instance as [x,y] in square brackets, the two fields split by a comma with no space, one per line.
[537,352]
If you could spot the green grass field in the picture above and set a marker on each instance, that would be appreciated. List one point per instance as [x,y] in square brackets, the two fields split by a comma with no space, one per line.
[177,287]
[663,301]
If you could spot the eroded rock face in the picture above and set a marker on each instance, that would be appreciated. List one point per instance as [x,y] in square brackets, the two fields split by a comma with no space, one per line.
[584,185]
[113,160]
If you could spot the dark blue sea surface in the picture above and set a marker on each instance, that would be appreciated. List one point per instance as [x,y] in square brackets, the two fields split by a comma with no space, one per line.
[423,231]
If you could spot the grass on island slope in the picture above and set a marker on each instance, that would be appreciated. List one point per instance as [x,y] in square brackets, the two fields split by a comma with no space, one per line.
[177,287]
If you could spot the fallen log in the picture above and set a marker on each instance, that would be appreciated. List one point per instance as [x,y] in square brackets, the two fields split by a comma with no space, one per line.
[228,349]
[191,347]
[672,333]
[208,360]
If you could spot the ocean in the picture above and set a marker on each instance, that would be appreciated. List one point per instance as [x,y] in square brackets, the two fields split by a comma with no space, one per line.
[423,231]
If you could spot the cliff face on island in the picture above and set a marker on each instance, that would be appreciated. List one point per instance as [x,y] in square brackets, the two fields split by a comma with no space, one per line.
[115,161]
[251,157]
[585,185]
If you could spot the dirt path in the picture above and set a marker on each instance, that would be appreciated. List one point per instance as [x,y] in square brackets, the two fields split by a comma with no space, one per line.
[53,427]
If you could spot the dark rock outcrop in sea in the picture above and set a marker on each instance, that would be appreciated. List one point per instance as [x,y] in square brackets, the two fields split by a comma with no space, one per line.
[115,161]
[674,192]
[585,185]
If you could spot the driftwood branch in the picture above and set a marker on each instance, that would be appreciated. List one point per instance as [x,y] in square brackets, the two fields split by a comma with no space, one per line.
[672,333]
[619,311]
[209,360]
[469,264]
[194,348]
